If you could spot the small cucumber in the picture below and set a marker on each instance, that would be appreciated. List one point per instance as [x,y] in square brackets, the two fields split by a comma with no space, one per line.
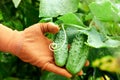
[77,55]
[61,53]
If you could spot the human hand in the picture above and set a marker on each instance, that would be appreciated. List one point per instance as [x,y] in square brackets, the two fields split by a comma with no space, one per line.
[32,46]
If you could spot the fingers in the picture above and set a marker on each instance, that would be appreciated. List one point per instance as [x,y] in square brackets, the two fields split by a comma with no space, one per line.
[80,73]
[87,63]
[53,68]
[49,27]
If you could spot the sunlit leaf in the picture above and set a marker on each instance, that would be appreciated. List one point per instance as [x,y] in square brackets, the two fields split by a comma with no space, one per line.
[105,10]
[71,18]
[53,8]
[97,40]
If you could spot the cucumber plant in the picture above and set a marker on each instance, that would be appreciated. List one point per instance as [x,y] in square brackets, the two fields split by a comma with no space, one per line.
[98,20]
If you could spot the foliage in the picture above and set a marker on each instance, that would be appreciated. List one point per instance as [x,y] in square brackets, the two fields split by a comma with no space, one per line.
[99,20]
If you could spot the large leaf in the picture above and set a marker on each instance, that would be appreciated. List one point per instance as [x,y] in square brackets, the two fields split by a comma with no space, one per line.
[111,29]
[105,10]
[53,8]
[71,18]
[97,40]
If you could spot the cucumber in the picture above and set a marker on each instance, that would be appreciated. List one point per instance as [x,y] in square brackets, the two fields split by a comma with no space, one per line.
[71,32]
[61,53]
[77,54]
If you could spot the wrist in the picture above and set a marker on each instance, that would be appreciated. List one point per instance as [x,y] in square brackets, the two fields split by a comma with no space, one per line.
[5,36]
[14,43]
[8,39]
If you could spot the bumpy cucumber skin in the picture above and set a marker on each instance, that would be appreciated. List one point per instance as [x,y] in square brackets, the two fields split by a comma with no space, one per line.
[61,54]
[77,55]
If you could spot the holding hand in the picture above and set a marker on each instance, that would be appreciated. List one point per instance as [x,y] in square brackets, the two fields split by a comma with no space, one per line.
[32,46]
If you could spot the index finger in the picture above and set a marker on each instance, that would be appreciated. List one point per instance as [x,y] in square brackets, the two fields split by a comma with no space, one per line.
[61,71]
[49,27]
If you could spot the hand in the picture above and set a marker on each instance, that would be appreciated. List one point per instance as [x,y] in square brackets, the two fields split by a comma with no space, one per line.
[32,46]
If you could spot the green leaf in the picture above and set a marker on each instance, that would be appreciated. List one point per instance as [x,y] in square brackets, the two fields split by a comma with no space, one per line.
[105,10]
[89,16]
[97,40]
[112,43]
[94,38]
[43,20]
[111,29]
[53,8]
[16,3]
[71,18]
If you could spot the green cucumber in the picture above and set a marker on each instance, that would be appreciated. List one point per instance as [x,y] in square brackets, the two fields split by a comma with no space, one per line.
[71,32]
[77,54]
[61,53]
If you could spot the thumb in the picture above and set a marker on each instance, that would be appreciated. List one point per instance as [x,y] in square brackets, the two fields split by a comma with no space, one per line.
[49,27]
